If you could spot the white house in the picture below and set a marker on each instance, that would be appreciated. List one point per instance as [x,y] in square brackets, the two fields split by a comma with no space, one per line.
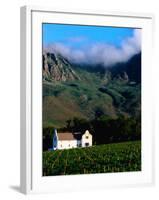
[86,140]
[71,140]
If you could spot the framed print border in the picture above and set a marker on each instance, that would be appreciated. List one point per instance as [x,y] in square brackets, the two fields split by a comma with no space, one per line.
[32,180]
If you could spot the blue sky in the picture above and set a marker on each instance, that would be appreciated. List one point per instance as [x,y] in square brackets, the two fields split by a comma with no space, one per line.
[77,35]
[92,44]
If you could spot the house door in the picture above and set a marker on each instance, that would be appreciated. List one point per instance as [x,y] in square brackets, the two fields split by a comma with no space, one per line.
[86,144]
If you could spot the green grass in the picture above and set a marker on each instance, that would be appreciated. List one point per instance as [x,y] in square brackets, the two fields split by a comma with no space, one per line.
[119,157]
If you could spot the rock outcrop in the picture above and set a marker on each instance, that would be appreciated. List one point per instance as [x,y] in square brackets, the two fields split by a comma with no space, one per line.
[57,68]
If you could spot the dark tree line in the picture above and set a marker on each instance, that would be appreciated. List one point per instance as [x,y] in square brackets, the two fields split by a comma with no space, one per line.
[104,129]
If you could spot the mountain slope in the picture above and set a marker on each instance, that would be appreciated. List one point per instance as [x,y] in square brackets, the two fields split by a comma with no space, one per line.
[55,67]
[132,68]
[86,92]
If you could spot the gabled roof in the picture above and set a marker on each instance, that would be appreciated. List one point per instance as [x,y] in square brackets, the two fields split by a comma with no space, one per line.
[66,136]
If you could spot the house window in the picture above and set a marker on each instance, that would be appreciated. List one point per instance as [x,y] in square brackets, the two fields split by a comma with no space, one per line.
[86,137]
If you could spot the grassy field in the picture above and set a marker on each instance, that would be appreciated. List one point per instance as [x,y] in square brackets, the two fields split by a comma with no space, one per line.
[119,157]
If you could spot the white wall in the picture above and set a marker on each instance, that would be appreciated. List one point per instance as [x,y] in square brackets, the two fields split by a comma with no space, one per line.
[86,138]
[9,91]
[67,144]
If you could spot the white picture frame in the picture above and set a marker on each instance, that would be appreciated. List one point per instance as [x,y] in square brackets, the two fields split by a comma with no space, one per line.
[31,103]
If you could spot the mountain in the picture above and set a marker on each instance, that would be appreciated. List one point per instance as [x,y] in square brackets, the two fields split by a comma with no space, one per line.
[132,68]
[87,92]
[57,68]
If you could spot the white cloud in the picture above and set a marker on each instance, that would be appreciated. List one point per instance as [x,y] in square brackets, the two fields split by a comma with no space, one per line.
[100,53]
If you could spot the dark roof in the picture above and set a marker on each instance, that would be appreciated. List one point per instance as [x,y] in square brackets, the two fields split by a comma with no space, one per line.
[78,135]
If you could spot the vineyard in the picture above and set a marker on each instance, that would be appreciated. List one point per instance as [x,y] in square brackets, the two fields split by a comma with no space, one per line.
[120,157]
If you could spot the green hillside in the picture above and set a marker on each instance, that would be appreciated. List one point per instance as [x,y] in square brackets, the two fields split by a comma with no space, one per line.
[84,92]
[86,97]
